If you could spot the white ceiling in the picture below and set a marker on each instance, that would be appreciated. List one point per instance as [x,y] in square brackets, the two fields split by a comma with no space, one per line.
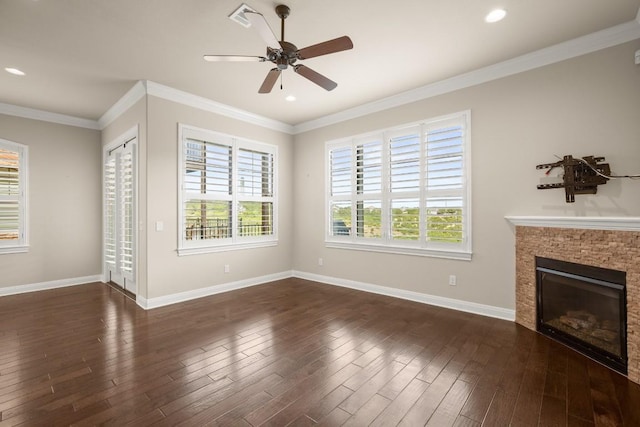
[81,56]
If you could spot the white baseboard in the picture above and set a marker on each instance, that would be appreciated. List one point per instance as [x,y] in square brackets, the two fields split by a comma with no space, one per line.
[211,290]
[454,304]
[54,284]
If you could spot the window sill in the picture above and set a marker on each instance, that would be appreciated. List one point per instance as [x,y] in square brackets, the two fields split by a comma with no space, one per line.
[225,248]
[434,253]
[14,249]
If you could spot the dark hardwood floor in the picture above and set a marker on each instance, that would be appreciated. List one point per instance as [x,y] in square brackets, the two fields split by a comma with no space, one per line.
[291,352]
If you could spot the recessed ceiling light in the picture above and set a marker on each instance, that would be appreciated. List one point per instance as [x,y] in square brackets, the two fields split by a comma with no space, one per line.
[14,71]
[290,98]
[495,15]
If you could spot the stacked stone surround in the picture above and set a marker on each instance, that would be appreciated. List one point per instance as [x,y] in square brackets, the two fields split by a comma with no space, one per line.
[614,249]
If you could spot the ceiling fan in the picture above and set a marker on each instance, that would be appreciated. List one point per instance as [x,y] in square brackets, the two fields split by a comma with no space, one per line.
[284,54]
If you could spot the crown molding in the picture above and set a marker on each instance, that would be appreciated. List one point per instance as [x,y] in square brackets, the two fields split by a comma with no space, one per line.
[205,104]
[127,101]
[46,116]
[580,46]
[578,222]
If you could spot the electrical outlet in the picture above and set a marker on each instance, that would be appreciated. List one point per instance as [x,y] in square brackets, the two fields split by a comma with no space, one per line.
[227,268]
[320,262]
[452,280]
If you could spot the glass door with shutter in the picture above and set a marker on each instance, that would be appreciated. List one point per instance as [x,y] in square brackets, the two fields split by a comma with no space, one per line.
[119,172]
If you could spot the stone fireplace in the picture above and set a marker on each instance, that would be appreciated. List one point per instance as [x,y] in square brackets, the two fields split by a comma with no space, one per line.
[602,243]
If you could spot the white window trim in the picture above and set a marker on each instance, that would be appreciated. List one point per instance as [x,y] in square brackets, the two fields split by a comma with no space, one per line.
[433,249]
[22,245]
[235,242]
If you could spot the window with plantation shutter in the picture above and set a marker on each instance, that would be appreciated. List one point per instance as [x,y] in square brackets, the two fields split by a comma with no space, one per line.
[13,197]
[227,196]
[402,190]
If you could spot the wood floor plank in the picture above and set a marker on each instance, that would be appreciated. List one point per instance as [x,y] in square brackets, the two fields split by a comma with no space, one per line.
[290,352]
[553,412]
[398,408]
[368,412]
[367,390]
[449,408]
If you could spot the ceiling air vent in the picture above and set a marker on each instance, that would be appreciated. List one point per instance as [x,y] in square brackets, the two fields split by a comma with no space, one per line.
[239,16]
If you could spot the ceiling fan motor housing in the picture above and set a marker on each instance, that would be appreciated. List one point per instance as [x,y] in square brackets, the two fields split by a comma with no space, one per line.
[288,55]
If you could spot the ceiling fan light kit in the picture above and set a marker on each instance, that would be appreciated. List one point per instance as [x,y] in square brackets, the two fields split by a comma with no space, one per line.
[281,52]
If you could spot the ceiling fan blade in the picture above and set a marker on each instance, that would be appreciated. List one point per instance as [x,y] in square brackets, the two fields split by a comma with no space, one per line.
[325,48]
[315,77]
[260,24]
[270,80]
[234,58]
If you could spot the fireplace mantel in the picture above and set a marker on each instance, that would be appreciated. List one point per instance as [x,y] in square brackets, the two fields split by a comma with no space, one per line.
[578,222]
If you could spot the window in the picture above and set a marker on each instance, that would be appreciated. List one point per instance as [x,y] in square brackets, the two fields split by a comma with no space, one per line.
[13,197]
[227,195]
[402,190]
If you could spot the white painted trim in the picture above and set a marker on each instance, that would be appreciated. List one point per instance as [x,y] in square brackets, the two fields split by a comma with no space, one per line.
[580,46]
[224,248]
[579,222]
[454,304]
[127,101]
[15,249]
[208,291]
[46,116]
[401,250]
[54,284]
[205,104]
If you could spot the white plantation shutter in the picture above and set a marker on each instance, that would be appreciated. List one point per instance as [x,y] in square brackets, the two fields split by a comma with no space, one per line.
[340,187]
[110,201]
[341,165]
[255,193]
[208,192]
[368,195]
[13,199]
[404,183]
[405,189]
[227,192]
[445,207]
[127,212]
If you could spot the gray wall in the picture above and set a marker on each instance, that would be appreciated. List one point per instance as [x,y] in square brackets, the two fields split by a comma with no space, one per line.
[64,203]
[589,105]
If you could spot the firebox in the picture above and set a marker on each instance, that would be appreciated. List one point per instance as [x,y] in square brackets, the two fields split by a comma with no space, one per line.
[584,307]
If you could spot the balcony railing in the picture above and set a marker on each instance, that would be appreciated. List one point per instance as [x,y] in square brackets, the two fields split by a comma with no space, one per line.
[222,229]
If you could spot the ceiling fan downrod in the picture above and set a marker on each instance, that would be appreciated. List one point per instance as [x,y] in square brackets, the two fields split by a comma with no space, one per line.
[282,11]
